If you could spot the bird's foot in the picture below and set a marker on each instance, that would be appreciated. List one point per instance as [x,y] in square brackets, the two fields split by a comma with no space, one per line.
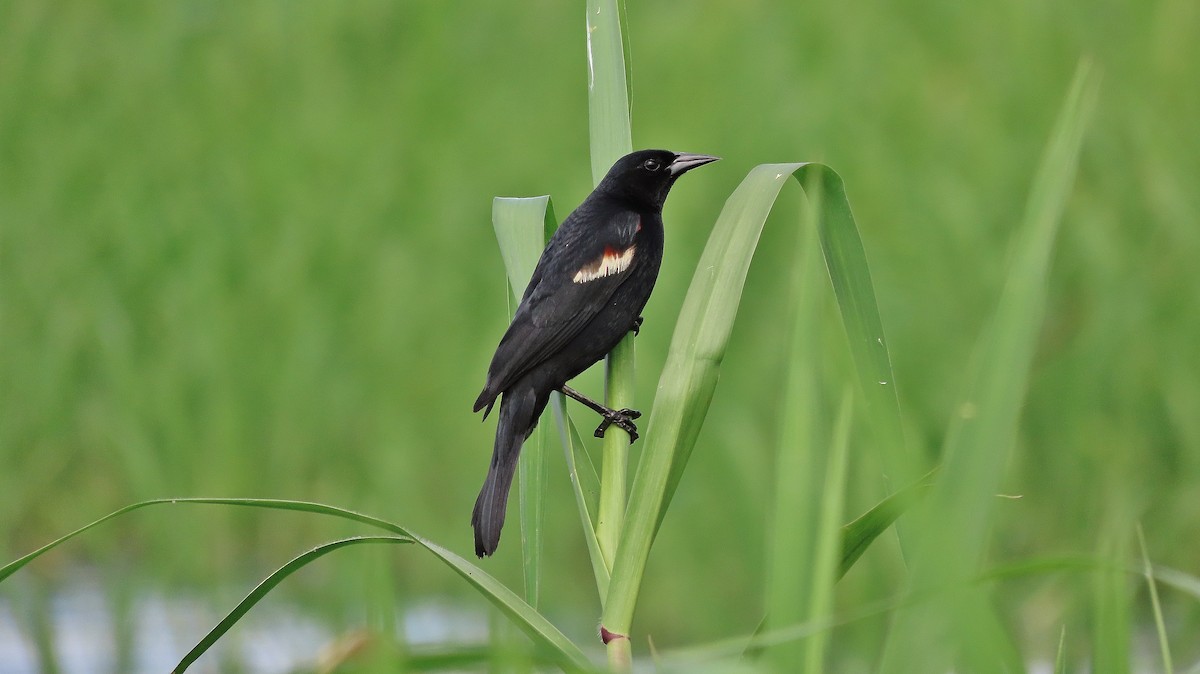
[637,326]
[623,419]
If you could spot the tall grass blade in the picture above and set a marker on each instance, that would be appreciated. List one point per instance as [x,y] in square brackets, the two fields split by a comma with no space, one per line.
[586,485]
[1111,627]
[1060,660]
[858,535]
[1159,626]
[846,263]
[521,226]
[799,457]
[269,583]
[608,90]
[610,138]
[543,634]
[19,563]
[952,532]
[825,560]
[698,345]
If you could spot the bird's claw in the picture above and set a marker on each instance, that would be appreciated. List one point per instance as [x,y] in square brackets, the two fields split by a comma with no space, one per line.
[622,419]
[637,328]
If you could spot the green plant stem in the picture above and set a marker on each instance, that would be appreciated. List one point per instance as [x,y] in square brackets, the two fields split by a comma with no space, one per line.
[618,385]
[620,655]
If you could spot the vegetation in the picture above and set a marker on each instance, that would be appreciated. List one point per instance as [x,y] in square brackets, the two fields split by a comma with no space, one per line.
[244,252]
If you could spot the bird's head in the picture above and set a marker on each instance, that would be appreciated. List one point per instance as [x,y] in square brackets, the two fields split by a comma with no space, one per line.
[645,177]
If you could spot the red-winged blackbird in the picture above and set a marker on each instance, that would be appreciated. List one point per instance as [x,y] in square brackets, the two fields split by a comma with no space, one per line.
[587,291]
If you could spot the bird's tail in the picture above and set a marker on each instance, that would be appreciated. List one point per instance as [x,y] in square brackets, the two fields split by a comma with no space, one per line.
[517,419]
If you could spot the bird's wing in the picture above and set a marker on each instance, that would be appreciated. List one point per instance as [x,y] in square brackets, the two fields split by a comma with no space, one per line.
[577,274]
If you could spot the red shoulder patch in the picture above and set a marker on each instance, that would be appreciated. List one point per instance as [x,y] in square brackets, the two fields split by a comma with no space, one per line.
[611,262]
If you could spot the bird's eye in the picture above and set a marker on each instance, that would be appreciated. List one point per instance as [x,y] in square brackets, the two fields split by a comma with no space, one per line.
[651,164]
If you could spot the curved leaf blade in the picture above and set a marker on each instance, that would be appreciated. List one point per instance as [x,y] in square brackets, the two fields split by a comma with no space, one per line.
[858,534]
[522,226]
[540,630]
[303,506]
[701,335]
[269,583]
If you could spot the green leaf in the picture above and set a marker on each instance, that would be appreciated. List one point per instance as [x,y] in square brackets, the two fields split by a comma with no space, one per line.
[1111,621]
[543,633]
[608,91]
[858,535]
[586,485]
[269,584]
[1060,660]
[951,536]
[533,624]
[799,458]
[303,506]
[809,474]
[610,138]
[531,469]
[825,559]
[701,335]
[626,54]
[522,226]
[1164,647]
[850,275]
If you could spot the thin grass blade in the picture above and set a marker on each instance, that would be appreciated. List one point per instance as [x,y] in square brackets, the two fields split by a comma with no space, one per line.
[850,275]
[269,583]
[303,506]
[825,560]
[702,333]
[858,535]
[1060,660]
[531,470]
[799,458]
[951,537]
[1164,647]
[540,630]
[1112,624]
[586,485]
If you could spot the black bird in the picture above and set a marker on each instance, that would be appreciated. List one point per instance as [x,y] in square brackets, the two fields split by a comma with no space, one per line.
[587,291]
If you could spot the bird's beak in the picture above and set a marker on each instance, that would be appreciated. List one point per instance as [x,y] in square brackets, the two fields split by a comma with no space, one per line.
[686,162]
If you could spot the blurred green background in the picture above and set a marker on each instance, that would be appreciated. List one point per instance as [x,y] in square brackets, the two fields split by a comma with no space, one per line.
[245,250]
